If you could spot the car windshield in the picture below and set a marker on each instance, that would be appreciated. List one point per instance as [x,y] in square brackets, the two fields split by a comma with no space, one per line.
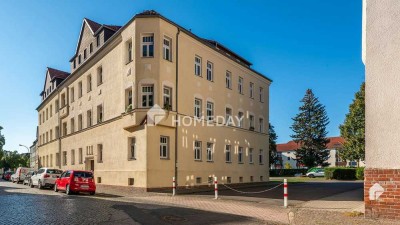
[83,174]
[54,171]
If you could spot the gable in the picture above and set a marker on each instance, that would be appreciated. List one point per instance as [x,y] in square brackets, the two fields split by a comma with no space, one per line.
[85,38]
[48,85]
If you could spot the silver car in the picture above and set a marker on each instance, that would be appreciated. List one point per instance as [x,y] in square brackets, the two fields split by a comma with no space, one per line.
[316,173]
[45,177]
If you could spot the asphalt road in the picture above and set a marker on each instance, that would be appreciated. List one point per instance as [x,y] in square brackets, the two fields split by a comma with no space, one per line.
[20,204]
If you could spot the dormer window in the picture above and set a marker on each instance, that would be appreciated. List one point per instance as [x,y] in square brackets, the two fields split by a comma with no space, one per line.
[91,48]
[79,59]
[98,41]
[84,54]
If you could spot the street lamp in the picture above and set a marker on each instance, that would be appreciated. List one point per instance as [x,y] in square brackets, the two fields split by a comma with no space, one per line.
[29,151]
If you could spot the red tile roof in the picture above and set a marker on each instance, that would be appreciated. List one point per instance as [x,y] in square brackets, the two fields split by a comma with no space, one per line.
[334,142]
[57,73]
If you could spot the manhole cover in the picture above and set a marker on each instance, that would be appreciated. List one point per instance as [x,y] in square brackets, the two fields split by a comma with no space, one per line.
[171,218]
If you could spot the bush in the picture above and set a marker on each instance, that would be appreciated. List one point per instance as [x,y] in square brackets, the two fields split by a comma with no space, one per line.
[286,172]
[360,173]
[340,173]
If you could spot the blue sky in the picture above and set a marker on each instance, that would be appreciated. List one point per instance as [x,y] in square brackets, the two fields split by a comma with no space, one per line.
[299,44]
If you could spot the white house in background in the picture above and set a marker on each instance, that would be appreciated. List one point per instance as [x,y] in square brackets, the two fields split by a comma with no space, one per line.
[286,152]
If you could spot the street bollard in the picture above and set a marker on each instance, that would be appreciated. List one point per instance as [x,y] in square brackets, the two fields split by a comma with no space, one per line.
[216,187]
[285,193]
[173,186]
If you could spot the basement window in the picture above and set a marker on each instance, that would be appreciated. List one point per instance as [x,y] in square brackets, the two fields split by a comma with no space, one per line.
[131,181]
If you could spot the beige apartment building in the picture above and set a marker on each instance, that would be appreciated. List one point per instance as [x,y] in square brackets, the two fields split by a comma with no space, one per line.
[96,117]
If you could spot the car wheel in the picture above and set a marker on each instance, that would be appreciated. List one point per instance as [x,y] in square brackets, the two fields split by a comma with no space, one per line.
[40,186]
[311,176]
[55,188]
[67,191]
[92,193]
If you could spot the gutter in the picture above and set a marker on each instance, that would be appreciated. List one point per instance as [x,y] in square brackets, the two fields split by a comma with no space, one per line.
[176,106]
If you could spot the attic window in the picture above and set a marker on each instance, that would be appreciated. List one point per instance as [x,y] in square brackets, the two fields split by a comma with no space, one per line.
[84,54]
[79,59]
[74,63]
[91,48]
[98,41]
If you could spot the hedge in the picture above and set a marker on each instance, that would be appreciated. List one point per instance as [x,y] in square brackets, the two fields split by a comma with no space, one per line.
[286,172]
[340,173]
[360,173]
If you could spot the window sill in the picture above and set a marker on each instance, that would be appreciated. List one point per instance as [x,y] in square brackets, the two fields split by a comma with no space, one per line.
[100,162]
[240,163]
[147,57]
[198,160]
[99,84]
[164,158]
[227,162]
[210,161]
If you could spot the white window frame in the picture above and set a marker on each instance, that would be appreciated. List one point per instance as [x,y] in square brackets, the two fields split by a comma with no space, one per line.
[147,42]
[251,122]
[167,54]
[132,148]
[228,153]
[210,71]
[251,159]
[100,113]
[240,154]
[240,85]
[197,107]
[210,110]
[210,153]
[130,55]
[147,93]
[251,90]
[164,147]
[197,150]
[89,83]
[228,80]
[197,65]
[167,97]
[261,124]
[261,90]
[261,157]
[228,116]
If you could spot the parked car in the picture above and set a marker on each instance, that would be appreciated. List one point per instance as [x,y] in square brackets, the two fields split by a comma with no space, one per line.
[7,175]
[28,177]
[20,174]
[45,177]
[317,172]
[74,181]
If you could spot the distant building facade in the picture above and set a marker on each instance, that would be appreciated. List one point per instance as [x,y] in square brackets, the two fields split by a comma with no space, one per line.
[33,158]
[96,117]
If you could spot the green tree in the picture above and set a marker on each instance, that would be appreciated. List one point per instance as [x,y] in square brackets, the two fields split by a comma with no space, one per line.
[309,127]
[2,143]
[353,129]
[273,156]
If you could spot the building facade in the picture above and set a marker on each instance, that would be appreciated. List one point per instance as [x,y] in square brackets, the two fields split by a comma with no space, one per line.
[127,108]
[32,155]
[287,157]
[381,50]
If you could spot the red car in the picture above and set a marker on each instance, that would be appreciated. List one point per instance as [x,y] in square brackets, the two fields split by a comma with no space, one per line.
[74,181]
[7,175]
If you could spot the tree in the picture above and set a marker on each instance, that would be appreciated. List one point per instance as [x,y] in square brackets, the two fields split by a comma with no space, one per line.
[309,127]
[353,129]
[273,156]
[2,143]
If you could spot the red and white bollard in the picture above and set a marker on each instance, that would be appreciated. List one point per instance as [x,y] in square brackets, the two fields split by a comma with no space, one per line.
[285,193]
[173,186]
[216,187]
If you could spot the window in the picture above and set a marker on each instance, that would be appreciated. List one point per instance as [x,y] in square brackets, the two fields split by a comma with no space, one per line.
[261,124]
[74,63]
[210,71]
[63,101]
[80,89]
[167,98]
[251,156]
[129,49]
[98,40]
[147,96]
[240,179]
[47,113]
[198,180]
[64,128]
[40,118]
[51,160]
[197,107]
[228,116]
[209,152]
[132,148]
[72,91]
[51,110]
[197,150]
[80,122]
[72,157]
[197,66]
[128,99]
[167,49]
[84,54]
[261,157]
[47,137]
[228,180]
[51,134]
[57,130]
[80,156]
[228,80]
[89,118]
[91,48]
[99,76]
[64,158]
[227,153]
[79,59]
[261,94]
[99,113]
[89,83]
[164,147]
[240,85]
[57,159]
[240,119]
[56,106]
[148,46]
[47,160]
[99,153]
[251,90]
[240,155]
[251,118]
[251,179]
[210,111]
[72,125]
